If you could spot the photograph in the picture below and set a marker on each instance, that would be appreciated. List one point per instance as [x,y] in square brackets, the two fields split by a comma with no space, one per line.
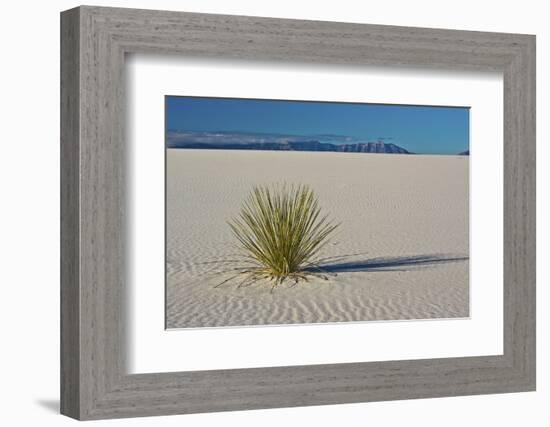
[277,210]
[302,212]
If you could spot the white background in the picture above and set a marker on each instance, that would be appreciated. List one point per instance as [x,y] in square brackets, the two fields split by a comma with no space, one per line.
[152,349]
[29,224]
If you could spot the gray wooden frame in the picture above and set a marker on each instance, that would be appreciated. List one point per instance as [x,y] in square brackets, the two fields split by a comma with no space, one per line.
[94,382]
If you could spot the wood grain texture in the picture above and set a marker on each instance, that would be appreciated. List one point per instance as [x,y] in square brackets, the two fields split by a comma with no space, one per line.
[70,292]
[95,274]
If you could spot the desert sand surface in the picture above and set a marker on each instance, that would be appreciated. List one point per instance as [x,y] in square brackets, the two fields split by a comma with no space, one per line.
[403,237]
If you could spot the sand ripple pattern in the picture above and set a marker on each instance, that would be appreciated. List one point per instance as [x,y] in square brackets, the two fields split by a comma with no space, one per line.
[404,234]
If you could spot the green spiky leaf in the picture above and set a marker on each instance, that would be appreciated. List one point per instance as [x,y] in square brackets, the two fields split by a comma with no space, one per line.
[281,232]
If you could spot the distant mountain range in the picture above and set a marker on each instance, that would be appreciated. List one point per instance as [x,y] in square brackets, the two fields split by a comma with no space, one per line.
[231,140]
[356,147]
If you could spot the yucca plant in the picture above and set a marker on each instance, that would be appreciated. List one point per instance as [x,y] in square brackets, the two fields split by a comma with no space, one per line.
[280,231]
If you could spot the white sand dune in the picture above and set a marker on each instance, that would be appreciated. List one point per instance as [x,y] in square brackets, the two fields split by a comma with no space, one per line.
[404,223]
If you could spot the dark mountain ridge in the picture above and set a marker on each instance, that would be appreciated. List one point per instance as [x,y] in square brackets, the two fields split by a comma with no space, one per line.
[356,147]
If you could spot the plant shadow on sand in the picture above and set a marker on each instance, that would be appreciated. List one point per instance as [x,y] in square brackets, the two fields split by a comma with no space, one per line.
[401,263]
[341,264]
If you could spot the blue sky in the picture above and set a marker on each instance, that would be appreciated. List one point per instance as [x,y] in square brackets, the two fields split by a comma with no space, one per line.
[420,129]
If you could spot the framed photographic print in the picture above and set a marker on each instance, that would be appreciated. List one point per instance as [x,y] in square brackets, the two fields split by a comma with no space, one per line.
[262,213]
